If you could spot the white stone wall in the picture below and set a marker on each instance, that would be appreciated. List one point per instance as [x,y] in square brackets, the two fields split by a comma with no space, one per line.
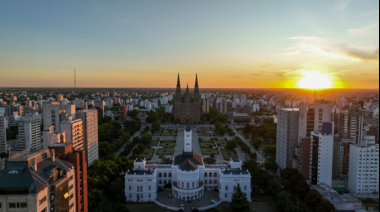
[140,188]
[229,182]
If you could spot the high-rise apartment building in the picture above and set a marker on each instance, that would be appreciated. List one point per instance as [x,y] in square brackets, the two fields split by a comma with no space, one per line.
[37,181]
[66,152]
[73,130]
[206,106]
[123,111]
[321,153]
[3,134]
[341,156]
[350,124]
[29,134]
[222,107]
[99,106]
[312,116]
[287,137]
[90,131]
[54,113]
[363,176]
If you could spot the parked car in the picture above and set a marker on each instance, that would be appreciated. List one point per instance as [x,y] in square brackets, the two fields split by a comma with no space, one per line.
[213,201]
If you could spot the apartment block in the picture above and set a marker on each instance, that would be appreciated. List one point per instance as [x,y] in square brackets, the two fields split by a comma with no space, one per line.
[90,131]
[287,137]
[54,113]
[29,134]
[73,130]
[363,176]
[312,116]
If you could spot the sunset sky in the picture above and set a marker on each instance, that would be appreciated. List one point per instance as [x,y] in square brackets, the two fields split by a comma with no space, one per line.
[230,44]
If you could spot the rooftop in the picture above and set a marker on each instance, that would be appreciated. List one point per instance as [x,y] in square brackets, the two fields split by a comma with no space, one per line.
[187,162]
[235,172]
[140,172]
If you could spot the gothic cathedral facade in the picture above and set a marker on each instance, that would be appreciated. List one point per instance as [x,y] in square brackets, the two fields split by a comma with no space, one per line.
[187,108]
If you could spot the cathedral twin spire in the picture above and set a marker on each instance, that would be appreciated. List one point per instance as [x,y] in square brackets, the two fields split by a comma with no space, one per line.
[196,88]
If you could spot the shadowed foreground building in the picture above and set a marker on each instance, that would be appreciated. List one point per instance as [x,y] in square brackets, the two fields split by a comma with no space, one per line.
[37,182]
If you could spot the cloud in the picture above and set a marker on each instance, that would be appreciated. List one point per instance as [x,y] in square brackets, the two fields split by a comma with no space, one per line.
[364,30]
[326,47]
[342,4]
[368,14]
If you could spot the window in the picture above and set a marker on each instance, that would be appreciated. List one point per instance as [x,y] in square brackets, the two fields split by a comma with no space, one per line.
[210,182]
[150,188]
[226,188]
[210,174]
[42,200]
[245,188]
[130,188]
[160,175]
[13,172]
[193,184]
[234,188]
[205,174]
[12,205]
[150,195]
[165,175]
[215,182]
[226,195]
[183,184]
[160,182]
[188,185]
[170,174]
[130,195]
[215,174]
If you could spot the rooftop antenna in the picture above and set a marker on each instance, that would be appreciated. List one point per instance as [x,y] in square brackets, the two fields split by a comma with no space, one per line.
[75,79]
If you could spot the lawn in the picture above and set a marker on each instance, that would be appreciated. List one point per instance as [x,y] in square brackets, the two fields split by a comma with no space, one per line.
[258,206]
[137,207]
[209,151]
[147,153]
[228,154]
[207,145]
[207,141]
[167,145]
[165,151]
[222,143]
[167,141]
[154,142]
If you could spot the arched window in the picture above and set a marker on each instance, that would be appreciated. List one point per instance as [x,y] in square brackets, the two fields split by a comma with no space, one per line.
[170,174]
[170,181]
[210,181]
[160,175]
[245,188]
[150,188]
[130,188]
[205,181]
[226,195]
[193,184]
[165,182]
[188,185]
[160,182]
[183,185]
[150,195]
[215,182]
[234,188]
[226,188]
[165,175]
[210,174]
[130,196]
[205,174]
[215,174]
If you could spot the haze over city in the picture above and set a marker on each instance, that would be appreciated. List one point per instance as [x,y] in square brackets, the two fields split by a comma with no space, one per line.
[230,44]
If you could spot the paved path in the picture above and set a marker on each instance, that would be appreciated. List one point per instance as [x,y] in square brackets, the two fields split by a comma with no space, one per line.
[195,142]
[260,158]
[120,150]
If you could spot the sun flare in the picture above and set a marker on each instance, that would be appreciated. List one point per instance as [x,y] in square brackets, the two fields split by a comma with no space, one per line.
[315,80]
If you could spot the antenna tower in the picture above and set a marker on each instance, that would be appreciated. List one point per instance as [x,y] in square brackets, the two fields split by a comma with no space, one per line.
[75,79]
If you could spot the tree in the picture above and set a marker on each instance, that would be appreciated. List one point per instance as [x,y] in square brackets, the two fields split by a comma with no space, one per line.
[212,210]
[313,199]
[270,150]
[325,206]
[3,155]
[253,156]
[181,210]
[239,200]
[212,155]
[195,210]
[94,197]
[156,126]
[256,143]
[231,144]
[270,165]
[209,160]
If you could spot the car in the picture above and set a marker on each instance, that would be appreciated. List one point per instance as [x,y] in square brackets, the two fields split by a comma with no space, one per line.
[170,196]
[213,201]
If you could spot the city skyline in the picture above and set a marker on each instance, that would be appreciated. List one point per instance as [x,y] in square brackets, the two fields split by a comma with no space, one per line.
[246,44]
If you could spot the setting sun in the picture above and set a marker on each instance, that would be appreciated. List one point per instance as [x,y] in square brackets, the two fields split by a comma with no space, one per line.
[315,80]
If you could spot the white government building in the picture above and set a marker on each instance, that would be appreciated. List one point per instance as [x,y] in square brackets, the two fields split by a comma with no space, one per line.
[188,175]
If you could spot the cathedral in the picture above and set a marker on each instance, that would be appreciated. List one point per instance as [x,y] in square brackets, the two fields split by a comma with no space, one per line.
[187,108]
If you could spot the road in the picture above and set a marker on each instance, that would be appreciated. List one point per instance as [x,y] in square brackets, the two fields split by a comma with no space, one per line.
[120,150]
[260,158]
